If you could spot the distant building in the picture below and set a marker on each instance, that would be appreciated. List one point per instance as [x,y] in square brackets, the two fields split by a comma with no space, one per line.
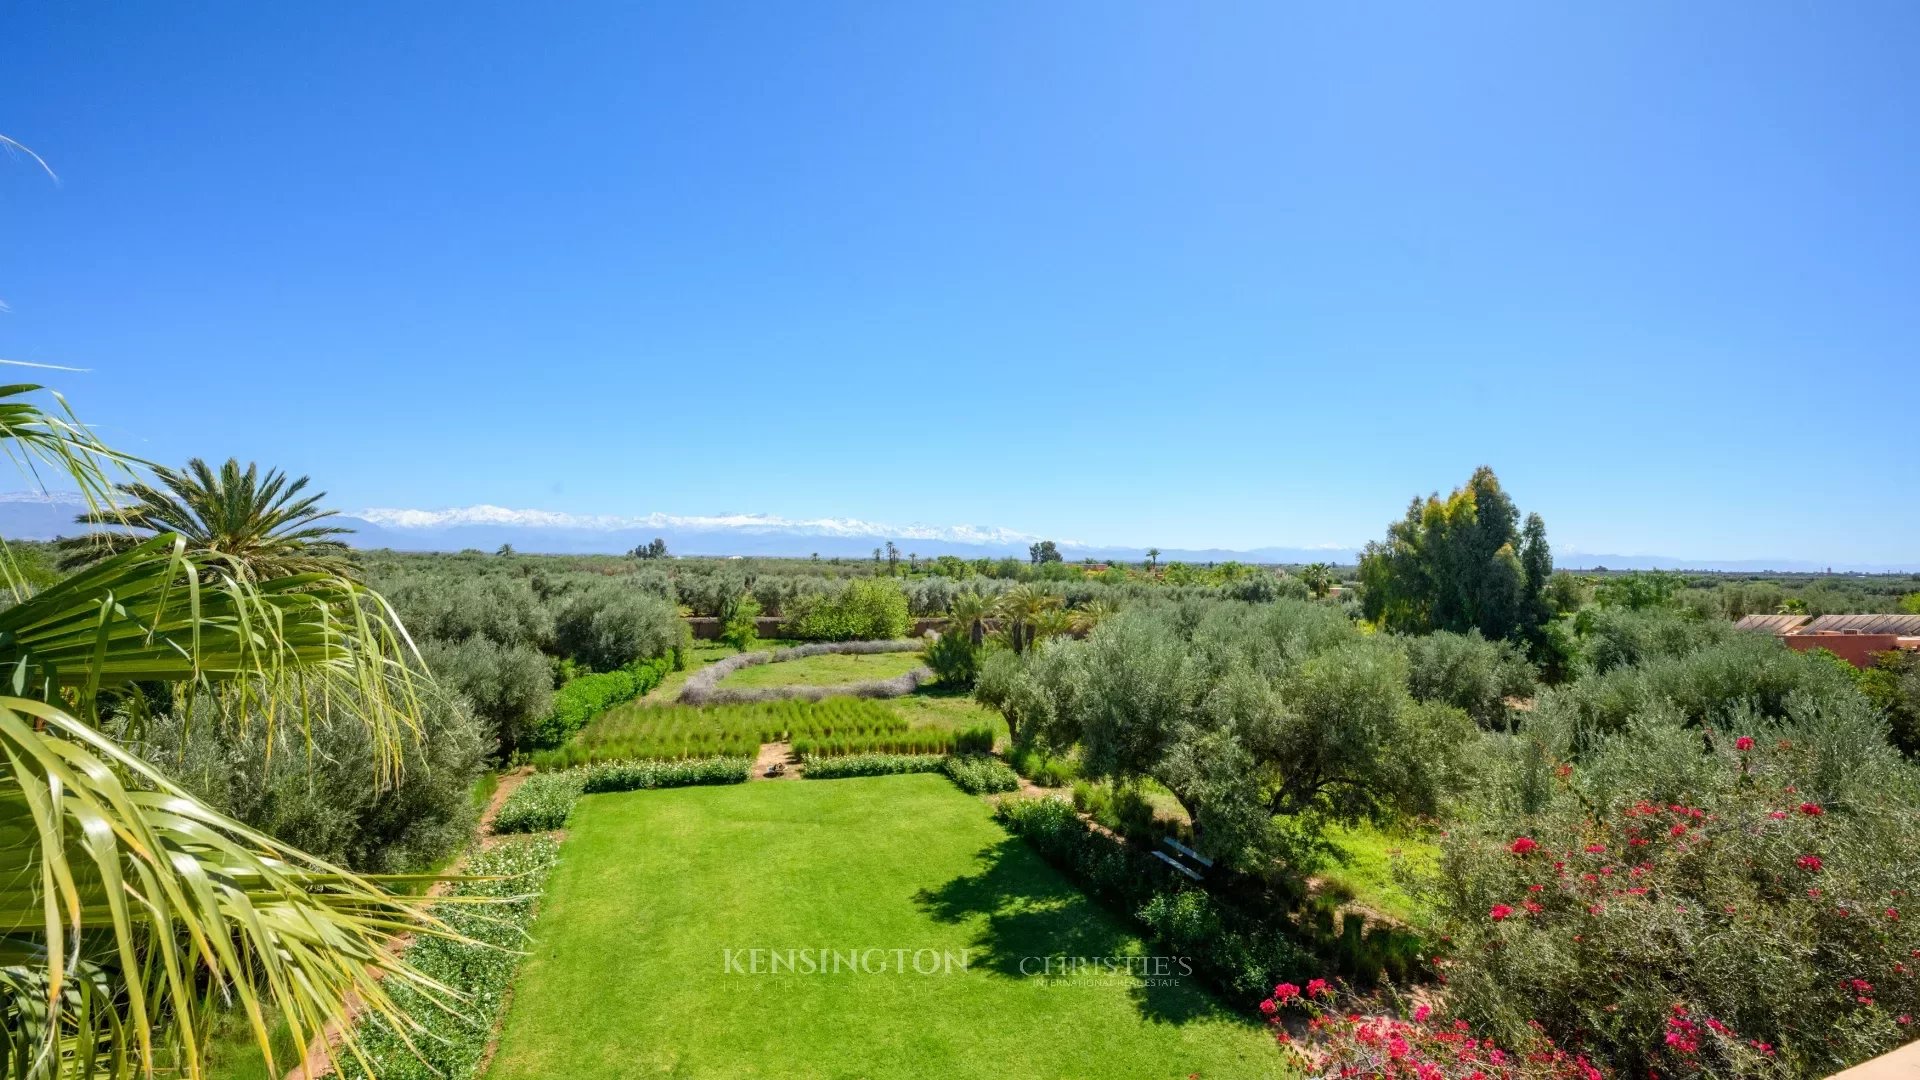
[1857,639]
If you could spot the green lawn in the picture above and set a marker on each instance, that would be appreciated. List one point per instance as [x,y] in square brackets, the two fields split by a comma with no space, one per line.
[830,669]
[628,972]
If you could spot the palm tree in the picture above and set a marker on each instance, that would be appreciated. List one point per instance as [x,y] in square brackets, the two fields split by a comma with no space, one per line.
[1084,619]
[1318,578]
[129,905]
[1022,610]
[971,611]
[260,523]
[1153,558]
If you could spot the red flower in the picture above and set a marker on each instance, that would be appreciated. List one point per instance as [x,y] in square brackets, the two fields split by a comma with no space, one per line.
[1522,845]
[1894,914]
[1533,908]
[1596,849]
[1498,912]
[1777,815]
[1285,992]
[1677,830]
[1811,809]
[1420,1014]
[1269,1007]
[1744,742]
[1810,863]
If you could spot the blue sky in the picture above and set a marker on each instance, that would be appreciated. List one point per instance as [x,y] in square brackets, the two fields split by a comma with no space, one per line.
[1124,273]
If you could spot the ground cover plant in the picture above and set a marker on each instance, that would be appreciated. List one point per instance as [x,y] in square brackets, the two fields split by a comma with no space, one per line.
[978,774]
[631,976]
[828,727]
[448,1044]
[851,765]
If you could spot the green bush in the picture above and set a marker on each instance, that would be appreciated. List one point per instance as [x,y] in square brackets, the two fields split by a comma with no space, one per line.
[841,768]
[608,625]
[978,774]
[509,686]
[541,803]
[1613,637]
[1753,882]
[643,775]
[737,625]
[479,969]
[1893,683]
[973,740]
[317,793]
[1469,673]
[587,696]
[1747,673]
[955,660]
[863,609]
[1042,768]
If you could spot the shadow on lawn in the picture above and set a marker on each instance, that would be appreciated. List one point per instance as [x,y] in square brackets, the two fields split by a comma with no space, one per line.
[1033,912]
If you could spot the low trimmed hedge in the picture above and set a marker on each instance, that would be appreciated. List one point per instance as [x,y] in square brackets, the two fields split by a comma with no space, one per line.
[978,774]
[587,696]
[540,804]
[478,969]
[544,800]
[644,775]
[841,768]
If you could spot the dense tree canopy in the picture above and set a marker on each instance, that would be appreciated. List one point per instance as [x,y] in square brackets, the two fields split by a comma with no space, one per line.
[1461,563]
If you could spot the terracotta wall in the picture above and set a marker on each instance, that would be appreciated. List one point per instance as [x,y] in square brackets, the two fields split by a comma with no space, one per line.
[1855,649]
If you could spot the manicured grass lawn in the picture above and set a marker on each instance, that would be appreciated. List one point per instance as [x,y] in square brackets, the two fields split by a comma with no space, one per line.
[627,975]
[831,669]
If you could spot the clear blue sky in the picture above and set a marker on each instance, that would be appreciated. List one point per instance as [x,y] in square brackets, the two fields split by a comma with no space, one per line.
[1145,273]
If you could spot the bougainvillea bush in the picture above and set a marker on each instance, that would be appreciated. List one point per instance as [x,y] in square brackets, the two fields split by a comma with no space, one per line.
[1731,900]
[1354,1040]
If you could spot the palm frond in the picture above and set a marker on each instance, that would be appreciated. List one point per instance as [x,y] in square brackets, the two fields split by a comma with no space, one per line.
[125,904]
[37,439]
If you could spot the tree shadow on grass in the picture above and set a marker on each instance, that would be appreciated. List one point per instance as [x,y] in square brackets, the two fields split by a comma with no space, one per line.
[1032,913]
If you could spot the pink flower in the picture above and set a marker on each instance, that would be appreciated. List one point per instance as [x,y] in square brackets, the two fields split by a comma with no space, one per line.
[1744,742]
[1811,809]
[1894,914]
[1285,992]
[1677,830]
[1522,845]
[1777,815]
[1596,849]
[1269,1007]
[1420,1014]
[1533,908]
[1498,912]
[1810,863]
[1318,988]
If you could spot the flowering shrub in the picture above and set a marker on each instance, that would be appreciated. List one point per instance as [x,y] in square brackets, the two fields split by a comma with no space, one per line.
[1698,903]
[1346,1042]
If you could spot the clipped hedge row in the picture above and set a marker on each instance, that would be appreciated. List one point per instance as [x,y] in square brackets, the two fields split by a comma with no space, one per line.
[643,775]
[544,800]
[978,774]
[587,696]
[541,803]
[841,768]
[450,1042]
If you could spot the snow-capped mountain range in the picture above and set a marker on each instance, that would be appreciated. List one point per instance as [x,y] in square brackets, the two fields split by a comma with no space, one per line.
[36,516]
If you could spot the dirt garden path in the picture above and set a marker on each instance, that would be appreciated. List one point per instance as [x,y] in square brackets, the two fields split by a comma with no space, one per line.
[771,754]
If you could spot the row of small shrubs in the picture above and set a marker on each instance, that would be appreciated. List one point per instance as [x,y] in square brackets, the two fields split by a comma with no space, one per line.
[922,741]
[544,800]
[644,775]
[979,774]
[541,803]
[841,768]
[587,696]
[668,732]
[450,1041]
